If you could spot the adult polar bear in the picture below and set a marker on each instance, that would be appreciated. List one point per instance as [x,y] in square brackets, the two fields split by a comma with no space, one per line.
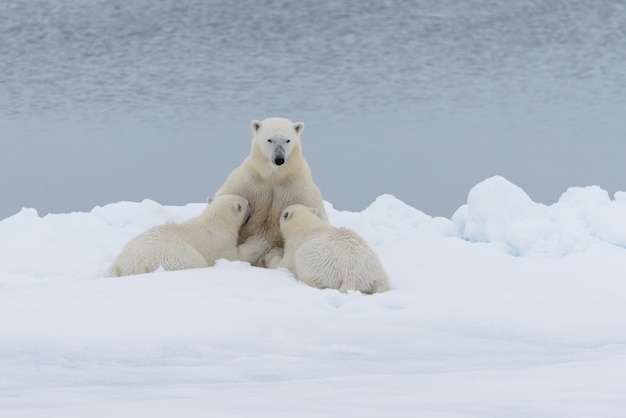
[274,176]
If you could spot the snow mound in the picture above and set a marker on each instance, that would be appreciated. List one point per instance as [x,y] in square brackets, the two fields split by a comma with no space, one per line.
[500,212]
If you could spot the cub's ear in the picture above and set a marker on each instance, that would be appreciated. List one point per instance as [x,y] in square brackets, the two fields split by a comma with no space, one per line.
[210,199]
[238,207]
[299,127]
[317,212]
[285,215]
[255,125]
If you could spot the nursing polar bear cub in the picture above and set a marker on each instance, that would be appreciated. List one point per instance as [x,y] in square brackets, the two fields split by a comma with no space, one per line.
[198,242]
[323,256]
[274,176]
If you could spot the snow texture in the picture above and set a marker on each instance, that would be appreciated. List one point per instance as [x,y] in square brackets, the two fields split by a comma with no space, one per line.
[511,308]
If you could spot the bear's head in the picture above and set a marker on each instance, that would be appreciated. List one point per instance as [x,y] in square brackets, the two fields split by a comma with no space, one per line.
[231,206]
[276,138]
[295,218]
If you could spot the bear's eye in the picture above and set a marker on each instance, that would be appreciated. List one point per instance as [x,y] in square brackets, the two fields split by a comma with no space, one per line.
[269,140]
[289,140]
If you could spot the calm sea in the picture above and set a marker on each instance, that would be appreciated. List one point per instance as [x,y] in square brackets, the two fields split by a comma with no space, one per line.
[108,100]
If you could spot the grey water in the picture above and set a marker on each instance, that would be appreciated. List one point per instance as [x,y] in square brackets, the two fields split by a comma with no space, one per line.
[110,100]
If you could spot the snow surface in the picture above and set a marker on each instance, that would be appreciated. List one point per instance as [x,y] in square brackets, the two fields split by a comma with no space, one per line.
[511,308]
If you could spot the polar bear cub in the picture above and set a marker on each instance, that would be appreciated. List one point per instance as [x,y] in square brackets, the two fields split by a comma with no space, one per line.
[273,176]
[195,243]
[324,256]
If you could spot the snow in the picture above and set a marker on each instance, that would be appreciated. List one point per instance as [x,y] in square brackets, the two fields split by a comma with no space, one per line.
[511,308]
[498,211]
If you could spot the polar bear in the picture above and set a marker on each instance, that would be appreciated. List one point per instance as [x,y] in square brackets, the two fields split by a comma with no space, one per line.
[197,242]
[324,256]
[272,177]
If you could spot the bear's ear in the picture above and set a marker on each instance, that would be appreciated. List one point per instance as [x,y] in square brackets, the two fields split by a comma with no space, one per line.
[210,199]
[299,127]
[285,215]
[238,207]
[255,125]
[317,212]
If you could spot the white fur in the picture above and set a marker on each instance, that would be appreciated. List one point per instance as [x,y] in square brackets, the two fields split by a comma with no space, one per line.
[269,186]
[323,256]
[195,243]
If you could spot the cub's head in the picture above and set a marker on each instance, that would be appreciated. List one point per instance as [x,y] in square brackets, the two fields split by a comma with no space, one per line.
[276,138]
[298,218]
[232,207]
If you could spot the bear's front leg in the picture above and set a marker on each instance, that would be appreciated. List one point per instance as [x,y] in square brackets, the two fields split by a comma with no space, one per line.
[252,248]
[273,258]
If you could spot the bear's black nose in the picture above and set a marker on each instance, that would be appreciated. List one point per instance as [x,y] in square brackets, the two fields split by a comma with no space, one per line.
[279,161]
